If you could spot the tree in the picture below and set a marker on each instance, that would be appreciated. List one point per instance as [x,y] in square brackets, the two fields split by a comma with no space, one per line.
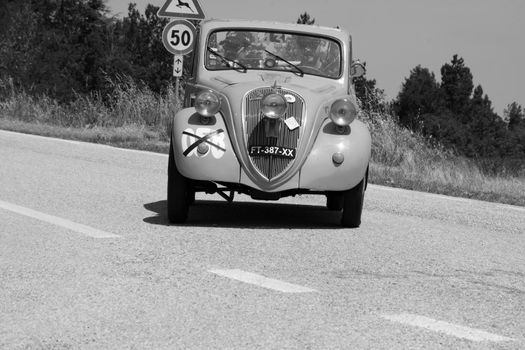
[17,21]
[372,99]
[54,47]
[140,40]
[420,94]
[456,84]
[456,114]
[305,19]
[514,116]
[486,131]
[67,47]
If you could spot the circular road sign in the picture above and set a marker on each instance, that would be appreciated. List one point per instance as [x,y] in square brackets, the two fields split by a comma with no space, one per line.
[178,37]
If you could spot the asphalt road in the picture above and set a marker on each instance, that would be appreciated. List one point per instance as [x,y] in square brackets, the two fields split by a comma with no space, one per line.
[88,261]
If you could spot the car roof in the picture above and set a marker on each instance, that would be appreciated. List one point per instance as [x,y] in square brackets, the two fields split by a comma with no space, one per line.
[211,24]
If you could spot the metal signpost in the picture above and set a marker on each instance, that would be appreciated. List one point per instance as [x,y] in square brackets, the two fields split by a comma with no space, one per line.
[179,35]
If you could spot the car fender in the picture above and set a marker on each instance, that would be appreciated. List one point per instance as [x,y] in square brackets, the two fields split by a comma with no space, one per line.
[215,159]
[319,172]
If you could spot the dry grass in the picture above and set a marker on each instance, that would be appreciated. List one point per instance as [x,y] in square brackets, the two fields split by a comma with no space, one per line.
[130,106]
[135,117]
[401,158]
[129,136]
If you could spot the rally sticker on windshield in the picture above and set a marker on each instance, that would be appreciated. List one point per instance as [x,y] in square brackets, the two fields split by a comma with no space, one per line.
[214,139]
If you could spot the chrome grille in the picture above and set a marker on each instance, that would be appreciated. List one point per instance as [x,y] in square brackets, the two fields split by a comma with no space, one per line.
[268,165]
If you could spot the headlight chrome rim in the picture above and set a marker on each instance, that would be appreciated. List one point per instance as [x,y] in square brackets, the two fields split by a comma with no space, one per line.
[343,112]
[273,106]
[207,103]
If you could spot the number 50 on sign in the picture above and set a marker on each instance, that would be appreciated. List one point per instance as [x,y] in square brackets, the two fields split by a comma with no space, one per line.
[178,37]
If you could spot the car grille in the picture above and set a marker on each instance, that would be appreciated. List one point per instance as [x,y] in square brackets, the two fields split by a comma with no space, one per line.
[268,165]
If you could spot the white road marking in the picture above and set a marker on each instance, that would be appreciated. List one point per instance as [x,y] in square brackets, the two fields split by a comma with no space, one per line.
[86,230]
[446,328]
[261,281]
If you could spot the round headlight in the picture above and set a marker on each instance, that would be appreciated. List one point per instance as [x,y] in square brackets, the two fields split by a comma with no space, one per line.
[343,112]
[207,104]
[273,106]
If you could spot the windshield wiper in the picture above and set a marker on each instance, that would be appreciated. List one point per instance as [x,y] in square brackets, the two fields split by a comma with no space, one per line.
[298,70]
[239,67]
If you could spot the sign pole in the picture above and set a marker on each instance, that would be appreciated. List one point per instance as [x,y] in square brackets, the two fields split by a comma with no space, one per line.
[177,73]
[177,91]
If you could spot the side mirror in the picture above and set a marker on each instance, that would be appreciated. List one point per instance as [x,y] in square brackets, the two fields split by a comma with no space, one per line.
[357,69]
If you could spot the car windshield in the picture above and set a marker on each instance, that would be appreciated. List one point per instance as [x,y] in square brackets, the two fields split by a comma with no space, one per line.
[269,50]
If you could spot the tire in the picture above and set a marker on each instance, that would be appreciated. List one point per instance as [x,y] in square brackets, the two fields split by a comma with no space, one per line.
[353,205]
[179,192]
[335,201]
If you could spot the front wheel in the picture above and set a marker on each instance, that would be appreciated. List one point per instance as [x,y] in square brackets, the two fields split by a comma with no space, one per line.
[179,192]
[353,205]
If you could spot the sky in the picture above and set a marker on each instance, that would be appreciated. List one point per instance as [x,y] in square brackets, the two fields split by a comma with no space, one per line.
[394,36]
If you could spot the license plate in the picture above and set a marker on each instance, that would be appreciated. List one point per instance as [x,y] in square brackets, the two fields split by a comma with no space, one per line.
[276,151]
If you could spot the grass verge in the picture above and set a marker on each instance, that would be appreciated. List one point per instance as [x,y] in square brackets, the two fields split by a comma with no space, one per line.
[129,136]
[401,158]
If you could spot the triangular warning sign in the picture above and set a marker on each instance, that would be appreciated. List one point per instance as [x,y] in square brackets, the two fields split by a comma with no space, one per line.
[181,9]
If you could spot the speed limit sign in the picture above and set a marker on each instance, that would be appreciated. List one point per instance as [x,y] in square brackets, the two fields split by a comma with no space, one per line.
[178,37]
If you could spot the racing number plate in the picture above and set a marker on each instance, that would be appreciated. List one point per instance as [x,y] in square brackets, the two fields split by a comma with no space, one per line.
[276,151]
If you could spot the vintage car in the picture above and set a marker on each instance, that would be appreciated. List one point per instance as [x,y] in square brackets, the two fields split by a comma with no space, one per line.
[270,111]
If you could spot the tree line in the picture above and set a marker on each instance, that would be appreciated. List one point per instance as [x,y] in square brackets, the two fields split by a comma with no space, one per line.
[63,48]
[461,116]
